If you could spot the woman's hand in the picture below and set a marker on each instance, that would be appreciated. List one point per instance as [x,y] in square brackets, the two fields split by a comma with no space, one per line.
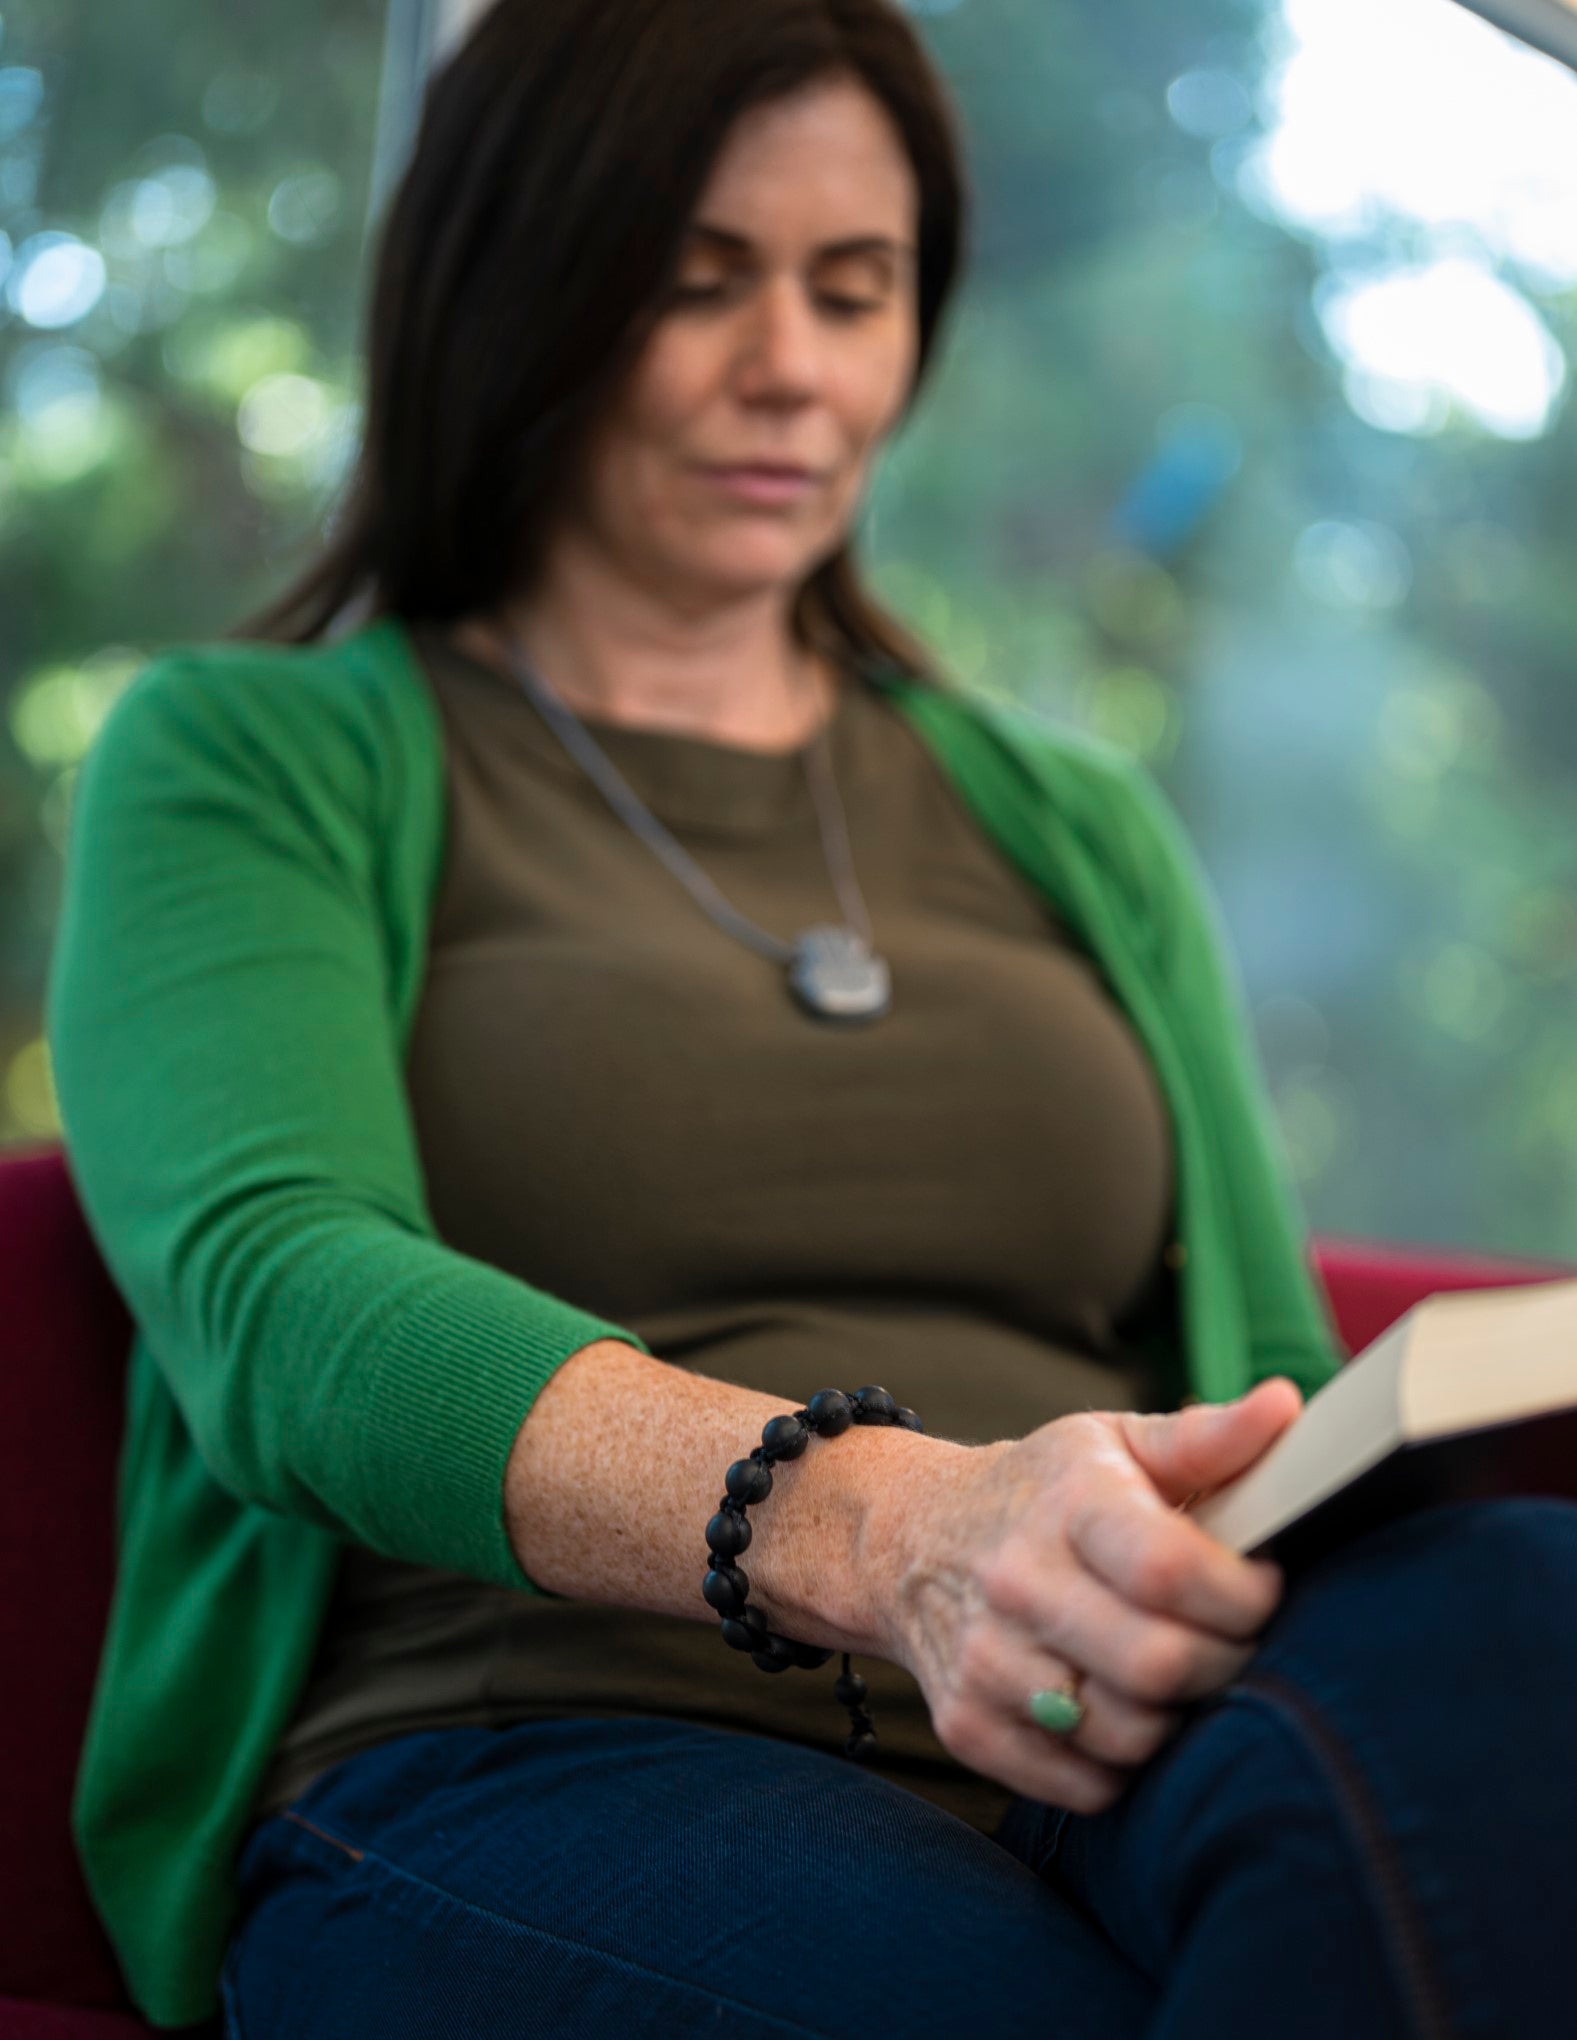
[1065,1551]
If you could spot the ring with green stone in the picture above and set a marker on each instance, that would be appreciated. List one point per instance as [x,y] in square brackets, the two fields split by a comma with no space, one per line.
[1057,1708]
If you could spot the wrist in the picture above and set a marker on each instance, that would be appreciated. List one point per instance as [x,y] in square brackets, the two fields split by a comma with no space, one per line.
[856,1521]
[913,1542]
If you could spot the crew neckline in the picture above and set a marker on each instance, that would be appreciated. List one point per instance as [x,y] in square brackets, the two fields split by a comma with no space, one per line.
[689,781]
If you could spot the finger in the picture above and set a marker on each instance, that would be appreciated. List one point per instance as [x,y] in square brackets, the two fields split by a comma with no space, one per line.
[1183,1451]
[998,1670]
[1018,1753]
[1159,1560]
[1117,1728]
[1150,1657]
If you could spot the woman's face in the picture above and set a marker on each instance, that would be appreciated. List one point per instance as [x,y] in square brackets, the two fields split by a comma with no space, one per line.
[773,348]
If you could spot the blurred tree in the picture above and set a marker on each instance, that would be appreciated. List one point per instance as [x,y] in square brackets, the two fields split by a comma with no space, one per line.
[183,203]
[1252,453]
[1248,450]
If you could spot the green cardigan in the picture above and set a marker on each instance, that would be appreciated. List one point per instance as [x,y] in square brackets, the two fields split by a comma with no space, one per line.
[255,845]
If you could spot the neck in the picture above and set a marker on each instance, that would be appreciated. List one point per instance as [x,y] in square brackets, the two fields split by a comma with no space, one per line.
[754,689]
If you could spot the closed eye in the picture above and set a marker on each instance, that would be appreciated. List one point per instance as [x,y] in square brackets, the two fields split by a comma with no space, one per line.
[841,307]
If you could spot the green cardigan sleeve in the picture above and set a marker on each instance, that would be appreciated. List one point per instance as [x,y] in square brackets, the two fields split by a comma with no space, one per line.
[220,1018]
[1289,1325]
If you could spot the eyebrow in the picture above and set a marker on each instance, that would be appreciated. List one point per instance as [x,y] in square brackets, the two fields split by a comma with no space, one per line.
[858,244]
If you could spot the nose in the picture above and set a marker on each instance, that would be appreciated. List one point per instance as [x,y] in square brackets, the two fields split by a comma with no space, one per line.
[784,345]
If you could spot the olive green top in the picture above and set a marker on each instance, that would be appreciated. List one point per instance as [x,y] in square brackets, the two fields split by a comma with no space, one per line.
[962,1200]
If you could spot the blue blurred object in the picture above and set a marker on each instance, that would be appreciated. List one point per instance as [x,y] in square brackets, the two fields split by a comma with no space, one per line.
[1199,453]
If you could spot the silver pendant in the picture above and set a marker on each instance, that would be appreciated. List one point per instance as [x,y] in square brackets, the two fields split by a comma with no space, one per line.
[835,975]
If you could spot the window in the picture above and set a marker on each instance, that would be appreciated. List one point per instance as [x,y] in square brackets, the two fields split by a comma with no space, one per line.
[1253,451]
[183,210]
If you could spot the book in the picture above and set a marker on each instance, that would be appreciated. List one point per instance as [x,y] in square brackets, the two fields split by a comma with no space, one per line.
[1471,1393]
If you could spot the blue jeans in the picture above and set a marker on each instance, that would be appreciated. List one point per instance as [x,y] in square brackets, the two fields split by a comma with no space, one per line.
[1372,1833]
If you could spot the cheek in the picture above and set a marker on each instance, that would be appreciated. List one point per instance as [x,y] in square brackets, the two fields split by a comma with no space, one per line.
[634,470]
[867,416]
[871,395]
[674,384]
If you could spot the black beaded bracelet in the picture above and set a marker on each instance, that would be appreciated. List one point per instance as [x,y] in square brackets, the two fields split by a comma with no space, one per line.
[828,1414]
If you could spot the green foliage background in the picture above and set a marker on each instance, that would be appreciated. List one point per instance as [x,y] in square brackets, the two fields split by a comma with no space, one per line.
[1139,498]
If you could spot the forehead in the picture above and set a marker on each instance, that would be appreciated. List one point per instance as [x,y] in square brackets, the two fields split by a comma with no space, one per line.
[824,169]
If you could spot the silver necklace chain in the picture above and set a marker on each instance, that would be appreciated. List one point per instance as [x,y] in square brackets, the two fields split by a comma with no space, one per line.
[823,788]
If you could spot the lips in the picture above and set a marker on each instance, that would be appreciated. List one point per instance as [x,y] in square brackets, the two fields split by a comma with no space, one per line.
[776,469]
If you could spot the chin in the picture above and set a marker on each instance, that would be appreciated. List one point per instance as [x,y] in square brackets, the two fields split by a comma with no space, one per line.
[738,563]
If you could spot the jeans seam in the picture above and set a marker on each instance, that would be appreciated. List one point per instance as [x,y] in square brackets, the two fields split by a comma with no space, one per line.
[301,1821]
[1403,1929]
[703,1991]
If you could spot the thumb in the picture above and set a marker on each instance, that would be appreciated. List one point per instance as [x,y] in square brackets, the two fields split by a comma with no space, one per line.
[1188,1451]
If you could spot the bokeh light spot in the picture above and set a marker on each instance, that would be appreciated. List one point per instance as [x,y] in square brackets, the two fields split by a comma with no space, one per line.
[283,414]
[55,280]
[304,208]
[21,95]
[29,1088]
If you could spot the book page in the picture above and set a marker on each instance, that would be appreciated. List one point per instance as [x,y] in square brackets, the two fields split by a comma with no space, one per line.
[1489,1356]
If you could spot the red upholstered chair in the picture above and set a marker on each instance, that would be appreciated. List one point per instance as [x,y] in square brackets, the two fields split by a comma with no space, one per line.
[64,1335]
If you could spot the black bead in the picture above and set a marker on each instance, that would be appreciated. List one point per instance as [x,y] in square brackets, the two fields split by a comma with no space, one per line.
[747,1480]
[878,1405]
[784,1437]
[812,1656]
[908,1419]
[860,1744]
[777,1656]
[724,1589]
[728,1534]
[850,1689]
[745,1631]
[830,1412]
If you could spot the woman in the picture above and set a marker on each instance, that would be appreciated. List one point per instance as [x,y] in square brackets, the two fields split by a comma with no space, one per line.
[510,1172]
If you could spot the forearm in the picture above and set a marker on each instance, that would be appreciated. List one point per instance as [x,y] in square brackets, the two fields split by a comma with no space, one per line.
[619,1465]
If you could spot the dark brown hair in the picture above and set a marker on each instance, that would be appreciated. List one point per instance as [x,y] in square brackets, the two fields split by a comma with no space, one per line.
[525,257]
